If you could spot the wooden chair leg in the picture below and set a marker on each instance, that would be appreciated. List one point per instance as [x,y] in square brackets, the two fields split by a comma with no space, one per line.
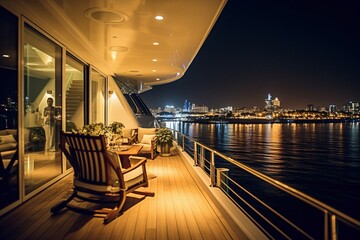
[148,194]
[111,216]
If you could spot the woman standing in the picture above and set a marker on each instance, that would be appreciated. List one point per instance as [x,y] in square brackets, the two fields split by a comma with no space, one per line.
[49,125]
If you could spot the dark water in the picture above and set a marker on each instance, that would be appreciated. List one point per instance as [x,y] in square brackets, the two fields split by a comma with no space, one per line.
[321,160]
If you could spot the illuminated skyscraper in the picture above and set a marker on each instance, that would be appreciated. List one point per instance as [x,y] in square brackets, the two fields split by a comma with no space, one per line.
[268,102]
[276,102]
[332,108]
[271,104]
[187,106]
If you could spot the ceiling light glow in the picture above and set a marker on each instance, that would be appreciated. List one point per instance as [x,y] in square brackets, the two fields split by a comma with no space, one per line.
[159,17]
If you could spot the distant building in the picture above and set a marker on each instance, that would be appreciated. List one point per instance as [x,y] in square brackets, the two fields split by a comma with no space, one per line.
[170,109]
[156,111]
[187,106]
[268,102]
[310,108]
[354,107]
[272,104]
[323,109]
[199,108]
[332,108]
[276,102]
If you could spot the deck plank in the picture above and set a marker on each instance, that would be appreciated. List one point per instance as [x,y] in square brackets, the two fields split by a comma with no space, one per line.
[179,210]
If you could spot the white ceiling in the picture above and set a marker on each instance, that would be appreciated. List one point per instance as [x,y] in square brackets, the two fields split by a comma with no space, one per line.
[118,36]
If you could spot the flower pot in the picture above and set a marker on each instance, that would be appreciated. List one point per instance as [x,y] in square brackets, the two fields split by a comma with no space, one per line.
[165,150]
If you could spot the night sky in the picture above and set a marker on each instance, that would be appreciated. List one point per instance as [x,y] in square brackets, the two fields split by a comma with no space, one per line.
[303,52]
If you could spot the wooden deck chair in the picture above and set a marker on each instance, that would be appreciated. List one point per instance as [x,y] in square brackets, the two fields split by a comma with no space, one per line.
[98,176]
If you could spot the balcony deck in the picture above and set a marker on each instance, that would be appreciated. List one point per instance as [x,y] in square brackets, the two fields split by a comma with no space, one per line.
[181,209]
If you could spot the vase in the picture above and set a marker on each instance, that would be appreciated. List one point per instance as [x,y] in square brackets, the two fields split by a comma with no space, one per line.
[165,150]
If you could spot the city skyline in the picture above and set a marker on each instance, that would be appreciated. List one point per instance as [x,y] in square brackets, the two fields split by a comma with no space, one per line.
[303,52]
[263,107]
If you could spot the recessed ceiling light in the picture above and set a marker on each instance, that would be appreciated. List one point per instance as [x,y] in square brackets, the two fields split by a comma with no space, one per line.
[119,49]
[154,60]
[156,43]
[159,17]
[157,79]
[105,15]
[154,70]
[6,55]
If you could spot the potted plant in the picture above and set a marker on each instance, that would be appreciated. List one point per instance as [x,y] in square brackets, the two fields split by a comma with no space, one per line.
[112,132]
[164,138]
[37,138]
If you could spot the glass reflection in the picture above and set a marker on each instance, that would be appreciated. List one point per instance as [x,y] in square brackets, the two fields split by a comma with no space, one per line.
[97,103]
[42,115]
[9,161]
[75,95]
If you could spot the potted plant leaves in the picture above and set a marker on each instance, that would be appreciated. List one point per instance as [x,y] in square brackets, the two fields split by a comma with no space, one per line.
[164,138]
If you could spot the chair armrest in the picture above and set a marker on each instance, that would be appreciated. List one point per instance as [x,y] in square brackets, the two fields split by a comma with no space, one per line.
[135,159]
[154,141]
[133,167]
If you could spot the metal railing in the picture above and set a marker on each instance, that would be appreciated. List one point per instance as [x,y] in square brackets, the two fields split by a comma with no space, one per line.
[279,210]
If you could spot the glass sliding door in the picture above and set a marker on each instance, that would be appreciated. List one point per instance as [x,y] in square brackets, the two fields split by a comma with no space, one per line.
[9,161]
[75,75]
[75,94]
[97,97]
[42,113]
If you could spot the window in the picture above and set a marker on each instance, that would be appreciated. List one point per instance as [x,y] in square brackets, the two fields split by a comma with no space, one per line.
[42,113]
[75,95]
[97,97]
[9,170]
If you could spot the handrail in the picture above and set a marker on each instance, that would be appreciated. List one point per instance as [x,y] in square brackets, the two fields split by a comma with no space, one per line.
[331,215]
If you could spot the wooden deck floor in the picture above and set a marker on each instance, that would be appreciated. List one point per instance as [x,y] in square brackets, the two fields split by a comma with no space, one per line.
[181,209]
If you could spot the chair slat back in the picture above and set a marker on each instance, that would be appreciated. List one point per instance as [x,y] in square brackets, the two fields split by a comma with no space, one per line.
[89,158]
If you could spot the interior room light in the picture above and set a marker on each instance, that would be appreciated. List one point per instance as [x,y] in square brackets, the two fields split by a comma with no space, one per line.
[158,17]
[154,70]
[154,60]
[157,79]
[156,43]
[6,55]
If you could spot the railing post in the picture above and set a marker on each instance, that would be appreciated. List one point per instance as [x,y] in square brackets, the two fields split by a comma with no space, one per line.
[333,227]
[326,225]
[201,160]
[183,142]
[195,154]
[212,169]
[219,177]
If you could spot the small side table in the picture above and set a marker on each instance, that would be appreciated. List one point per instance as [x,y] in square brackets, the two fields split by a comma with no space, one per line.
[125,154]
